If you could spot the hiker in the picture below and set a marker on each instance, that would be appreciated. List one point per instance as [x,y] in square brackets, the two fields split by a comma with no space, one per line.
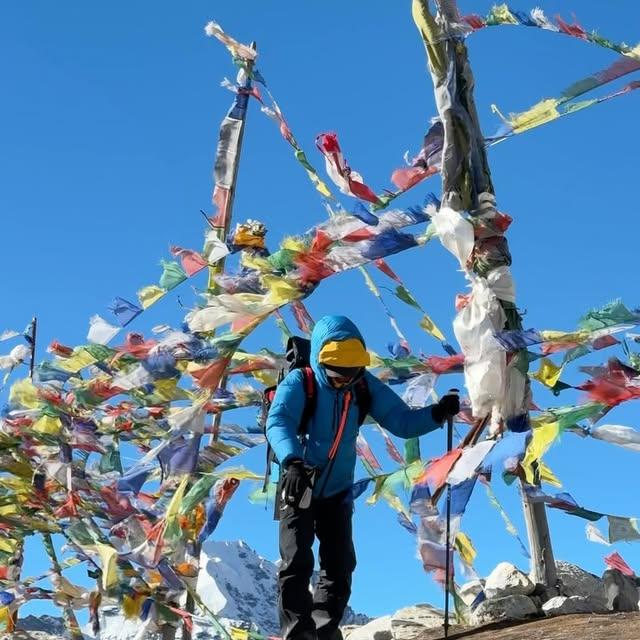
[316,472]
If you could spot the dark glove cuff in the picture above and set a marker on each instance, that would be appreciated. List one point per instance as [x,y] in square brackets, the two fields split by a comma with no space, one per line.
[438,413]
[293,461]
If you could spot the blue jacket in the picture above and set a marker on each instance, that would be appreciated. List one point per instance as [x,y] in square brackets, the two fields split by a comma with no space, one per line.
[387,409]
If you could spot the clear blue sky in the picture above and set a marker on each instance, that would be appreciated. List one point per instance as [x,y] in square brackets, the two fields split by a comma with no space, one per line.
[109,120]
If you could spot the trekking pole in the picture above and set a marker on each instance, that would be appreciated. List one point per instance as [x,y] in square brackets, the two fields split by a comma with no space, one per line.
[447,561]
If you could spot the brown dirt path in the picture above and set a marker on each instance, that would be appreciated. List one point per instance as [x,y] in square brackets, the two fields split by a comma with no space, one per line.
[621,626]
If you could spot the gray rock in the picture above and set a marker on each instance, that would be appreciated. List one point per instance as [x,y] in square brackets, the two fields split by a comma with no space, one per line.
[563,605]
[507,580]
[469,591]
[620,590]
[516,607]
[348,629]
[378,629]
[410,623]
[575,581]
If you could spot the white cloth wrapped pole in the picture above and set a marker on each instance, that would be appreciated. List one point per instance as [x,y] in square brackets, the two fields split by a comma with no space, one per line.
[455,233]
[485,361]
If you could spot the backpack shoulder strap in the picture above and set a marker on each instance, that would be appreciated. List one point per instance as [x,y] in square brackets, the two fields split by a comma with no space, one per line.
[310,399]
[363,399]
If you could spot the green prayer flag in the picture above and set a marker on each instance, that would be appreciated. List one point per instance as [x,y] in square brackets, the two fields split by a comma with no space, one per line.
[611,314]
[411,450]
[402,293]
[99,351]
[172,275]
[623,529]
[110,461]
[197,493]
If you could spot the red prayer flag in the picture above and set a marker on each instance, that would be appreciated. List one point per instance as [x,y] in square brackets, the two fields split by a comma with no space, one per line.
[437,471]
[616,561]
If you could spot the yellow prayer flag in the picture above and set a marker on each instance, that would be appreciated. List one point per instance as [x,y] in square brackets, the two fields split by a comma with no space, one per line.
[430,327]
[369,282]
[503,15]
[432,36]
[377,489]
[465,548]
[8,545]
[80,359]
[168,390]
[376,360]
[293,244]
[150,295]
[23,393]
[543,438]
[67,588]
[541,113]
[281,290]
[265,377]
[131,606]
[240,473]
[546,475]
[239,634]
[48,424]
[549,335]
[634,53]
[6,619]
[173,509]
[255,263]
[108,557]
[319,185]
[548,373]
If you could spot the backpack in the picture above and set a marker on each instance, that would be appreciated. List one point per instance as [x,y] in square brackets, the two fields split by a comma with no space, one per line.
[298,356]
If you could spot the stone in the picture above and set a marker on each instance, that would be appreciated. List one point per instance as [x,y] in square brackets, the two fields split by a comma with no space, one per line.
[469,591]
[507,580]
[563,605]
[516,607]
[575,581]
[411,622]
[378,629]
[620,591]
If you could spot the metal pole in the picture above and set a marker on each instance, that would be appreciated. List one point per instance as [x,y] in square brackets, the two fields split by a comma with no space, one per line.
[34,329]
[447,561]
[447,570]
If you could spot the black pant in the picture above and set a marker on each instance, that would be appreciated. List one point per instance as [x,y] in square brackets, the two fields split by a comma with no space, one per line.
[304,616]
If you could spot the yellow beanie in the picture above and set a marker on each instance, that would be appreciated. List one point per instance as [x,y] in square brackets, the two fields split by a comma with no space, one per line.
[344,353]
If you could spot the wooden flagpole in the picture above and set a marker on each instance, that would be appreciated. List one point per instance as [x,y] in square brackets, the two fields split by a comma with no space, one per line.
[218,268]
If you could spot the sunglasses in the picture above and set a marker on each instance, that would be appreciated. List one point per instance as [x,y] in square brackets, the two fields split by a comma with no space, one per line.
[338,381]
[341,381]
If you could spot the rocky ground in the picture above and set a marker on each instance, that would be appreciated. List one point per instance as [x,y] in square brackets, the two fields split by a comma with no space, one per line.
[617,626]
[506,605]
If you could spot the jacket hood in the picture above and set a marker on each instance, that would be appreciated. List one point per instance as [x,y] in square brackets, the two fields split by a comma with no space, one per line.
[327,329]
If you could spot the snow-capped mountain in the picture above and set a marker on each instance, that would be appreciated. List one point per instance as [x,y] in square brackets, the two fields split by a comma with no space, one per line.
[236,583]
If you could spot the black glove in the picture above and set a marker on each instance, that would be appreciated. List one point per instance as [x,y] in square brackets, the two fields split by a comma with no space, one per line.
[448,405]
[295,482]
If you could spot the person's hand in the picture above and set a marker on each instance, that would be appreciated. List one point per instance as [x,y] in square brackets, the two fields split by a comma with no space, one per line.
[448,406]
[295,482]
